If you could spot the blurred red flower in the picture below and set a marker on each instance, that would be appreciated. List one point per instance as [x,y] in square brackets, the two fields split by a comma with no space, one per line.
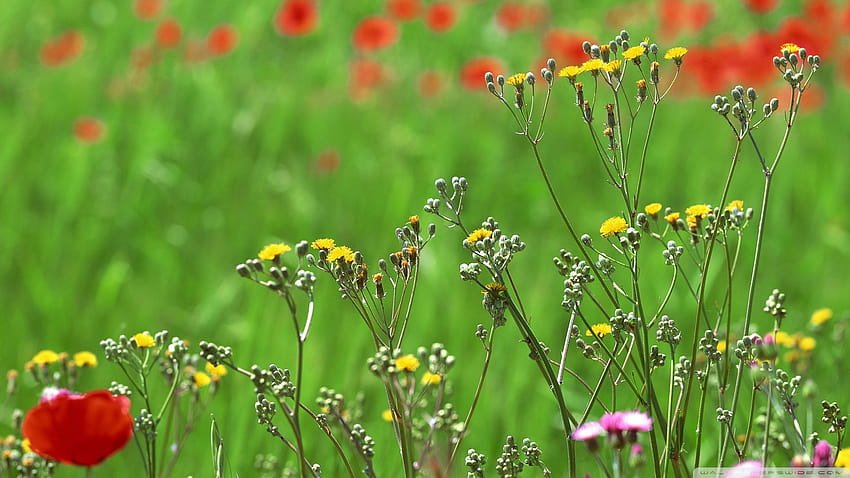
[430,83]
[88,130]
[79,429]
[536,14]
[510,16]
[142,57]
[403,10]
[699,15]
[565,47]
[327,161]
[374,33]
[761,6]
[472,73]
[816,38]
[168,33]
[820,10]
[148,9]
[222,40]
[62,49]
[296,17]
[441,17]
[364,76]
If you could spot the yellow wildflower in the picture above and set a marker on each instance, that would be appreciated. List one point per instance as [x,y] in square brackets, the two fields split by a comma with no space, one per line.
[216,370]
[721,346]
[807,344]
[600,330]
[593,65]
[672,218]
[85,359]
[698,210]
[387,415]
[431,378]
[570,72]
[693,221]
[613,66]
[494,289]
[843,458]
[676,54]
[790,47]
[272,251]
[783,338]
[613,226]
[25,445]
[517,80]
[45,357]
[408,363]
[342,252]
[200,379]
[736,204]
[144,339]
[821,315]
[478,235]
[653,209]
[323,244]
[634,52]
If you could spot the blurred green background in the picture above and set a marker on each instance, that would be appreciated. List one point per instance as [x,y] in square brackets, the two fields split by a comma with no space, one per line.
[202,160]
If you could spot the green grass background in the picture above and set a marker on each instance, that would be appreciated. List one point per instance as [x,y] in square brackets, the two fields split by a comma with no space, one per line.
[204,164]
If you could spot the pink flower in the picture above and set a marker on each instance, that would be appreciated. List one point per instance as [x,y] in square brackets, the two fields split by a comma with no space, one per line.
[823,454]
[587,431]
[636,421]
[746,469]
[612,422]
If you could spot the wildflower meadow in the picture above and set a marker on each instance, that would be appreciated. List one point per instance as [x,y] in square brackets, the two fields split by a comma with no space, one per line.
[425,238]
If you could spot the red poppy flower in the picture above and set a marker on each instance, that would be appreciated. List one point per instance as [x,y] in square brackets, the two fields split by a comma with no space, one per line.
[761,6]
[168,33]
[364,76]
[430,83]
[472,73]
[147,9]
[536,14]
[565,47]
[222,40]
[403,10]
[510,16]
[88,130]
[441,17]
[699,15]
[296,17]
[63,49]
[79,429]
[374,33]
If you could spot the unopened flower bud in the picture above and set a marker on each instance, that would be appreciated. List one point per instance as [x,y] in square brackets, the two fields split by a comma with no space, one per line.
[585,46]
[488,77]
[550,63]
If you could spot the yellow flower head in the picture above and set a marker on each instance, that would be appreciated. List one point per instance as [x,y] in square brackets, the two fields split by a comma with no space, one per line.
[673,218]
[517,80]
[784,338]
[570,72]
[408,363]
[676,54]
[613,66]
[600,330]
[736,204]
[342,252]
[593,65]
[843,458]
[789,47]
[807,344]
[85,359]
[494,289]
[272,251]
[216,370]
[698,210]
[45,357]
[653,209]
[431,378]
[323,244]
[721,346]
[693,221]
[25,445]
[478,235]
[144,340]
[634,52]
[200,379]
[821,315]
[387,415]
[613,226]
